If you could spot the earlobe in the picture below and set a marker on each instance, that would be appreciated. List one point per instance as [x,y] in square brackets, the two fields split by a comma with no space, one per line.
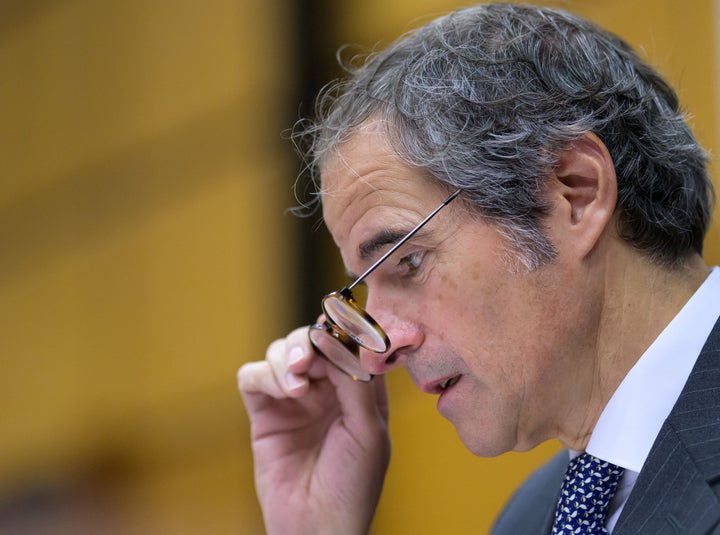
[587,189]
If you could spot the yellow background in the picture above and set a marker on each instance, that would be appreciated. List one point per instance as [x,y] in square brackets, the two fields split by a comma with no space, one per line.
[145,255]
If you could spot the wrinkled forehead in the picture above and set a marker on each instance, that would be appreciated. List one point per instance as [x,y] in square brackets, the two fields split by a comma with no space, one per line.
[364,179]
[370,138]
[348,169]
[357,175]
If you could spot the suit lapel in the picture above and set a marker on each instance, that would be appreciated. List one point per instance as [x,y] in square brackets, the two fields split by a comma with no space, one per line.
[678,488]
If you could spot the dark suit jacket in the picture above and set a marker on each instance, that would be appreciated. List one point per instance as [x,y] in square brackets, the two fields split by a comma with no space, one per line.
[678,489]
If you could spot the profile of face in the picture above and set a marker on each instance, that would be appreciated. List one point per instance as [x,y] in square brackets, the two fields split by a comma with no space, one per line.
[506,351]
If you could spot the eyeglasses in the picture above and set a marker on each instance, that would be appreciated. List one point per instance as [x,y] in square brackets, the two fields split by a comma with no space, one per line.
[348,327]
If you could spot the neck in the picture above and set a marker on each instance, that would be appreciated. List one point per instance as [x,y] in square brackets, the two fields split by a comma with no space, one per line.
[639,300]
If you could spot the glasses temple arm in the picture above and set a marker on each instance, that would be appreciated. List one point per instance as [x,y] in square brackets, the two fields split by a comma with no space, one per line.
[403,240]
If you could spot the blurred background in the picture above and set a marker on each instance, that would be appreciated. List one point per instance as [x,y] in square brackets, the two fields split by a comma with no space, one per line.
[146,253]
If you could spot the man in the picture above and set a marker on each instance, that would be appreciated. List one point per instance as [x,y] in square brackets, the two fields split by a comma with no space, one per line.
[557,289]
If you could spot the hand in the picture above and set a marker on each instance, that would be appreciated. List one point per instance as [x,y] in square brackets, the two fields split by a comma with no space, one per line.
[320,441]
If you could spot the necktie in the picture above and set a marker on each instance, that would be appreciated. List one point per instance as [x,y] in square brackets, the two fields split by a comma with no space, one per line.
[587,489]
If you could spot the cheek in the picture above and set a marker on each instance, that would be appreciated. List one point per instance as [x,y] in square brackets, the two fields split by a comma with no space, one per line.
[450,282]
[493,321]
[460,317]
[476,303]
[441,303]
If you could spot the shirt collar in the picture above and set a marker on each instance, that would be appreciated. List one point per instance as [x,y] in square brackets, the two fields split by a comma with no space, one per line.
[630,422]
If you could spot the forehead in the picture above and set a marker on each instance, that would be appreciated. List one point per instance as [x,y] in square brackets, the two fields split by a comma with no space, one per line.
[366,186]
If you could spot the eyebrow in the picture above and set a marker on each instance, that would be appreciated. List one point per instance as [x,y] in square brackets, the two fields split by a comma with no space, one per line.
[396,238]
[385,237]
[368,248]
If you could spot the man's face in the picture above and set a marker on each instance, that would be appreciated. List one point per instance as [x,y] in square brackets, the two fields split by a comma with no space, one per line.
[501,349]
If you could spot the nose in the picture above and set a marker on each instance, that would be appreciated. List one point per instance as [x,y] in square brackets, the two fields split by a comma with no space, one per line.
[406,336]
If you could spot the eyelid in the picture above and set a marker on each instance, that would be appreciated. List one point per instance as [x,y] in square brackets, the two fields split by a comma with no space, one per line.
[412,261]
[410,256]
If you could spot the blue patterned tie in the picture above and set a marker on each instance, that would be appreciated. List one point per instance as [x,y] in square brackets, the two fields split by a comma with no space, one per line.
[587,489]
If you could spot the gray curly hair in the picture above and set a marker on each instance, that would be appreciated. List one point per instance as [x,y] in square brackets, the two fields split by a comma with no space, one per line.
[485,99]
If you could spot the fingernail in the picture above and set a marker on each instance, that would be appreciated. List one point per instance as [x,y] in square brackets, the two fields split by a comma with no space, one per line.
[294,381]
[296,355]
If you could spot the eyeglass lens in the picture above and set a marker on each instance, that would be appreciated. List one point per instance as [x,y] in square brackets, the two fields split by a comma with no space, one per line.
[342,309]
[344,354]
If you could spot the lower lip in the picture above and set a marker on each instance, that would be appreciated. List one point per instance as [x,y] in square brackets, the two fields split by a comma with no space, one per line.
[442,399]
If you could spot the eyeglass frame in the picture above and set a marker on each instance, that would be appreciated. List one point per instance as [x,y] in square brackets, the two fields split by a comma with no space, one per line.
[331,327]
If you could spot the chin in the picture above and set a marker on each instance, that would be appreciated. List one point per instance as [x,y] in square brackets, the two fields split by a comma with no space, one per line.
[485,445]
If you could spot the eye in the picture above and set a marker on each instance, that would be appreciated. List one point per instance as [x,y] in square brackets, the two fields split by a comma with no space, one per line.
[412,262]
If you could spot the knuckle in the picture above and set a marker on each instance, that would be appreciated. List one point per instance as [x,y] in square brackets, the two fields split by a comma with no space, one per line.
[275,349]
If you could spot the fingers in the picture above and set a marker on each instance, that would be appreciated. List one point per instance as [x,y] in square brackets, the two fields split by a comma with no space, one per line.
[258,377]
[381,397]
[362,404]
[284,372]
[291,365]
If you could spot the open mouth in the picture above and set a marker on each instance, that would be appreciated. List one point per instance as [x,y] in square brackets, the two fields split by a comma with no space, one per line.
[449,382]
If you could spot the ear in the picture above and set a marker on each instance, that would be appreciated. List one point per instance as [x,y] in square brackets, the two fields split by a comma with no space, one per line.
[585,193]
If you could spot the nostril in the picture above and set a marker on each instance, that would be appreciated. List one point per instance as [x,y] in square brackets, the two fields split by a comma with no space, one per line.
[391,358]
[377,363]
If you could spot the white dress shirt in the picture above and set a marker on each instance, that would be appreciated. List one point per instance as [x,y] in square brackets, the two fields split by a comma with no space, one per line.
[630,422]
